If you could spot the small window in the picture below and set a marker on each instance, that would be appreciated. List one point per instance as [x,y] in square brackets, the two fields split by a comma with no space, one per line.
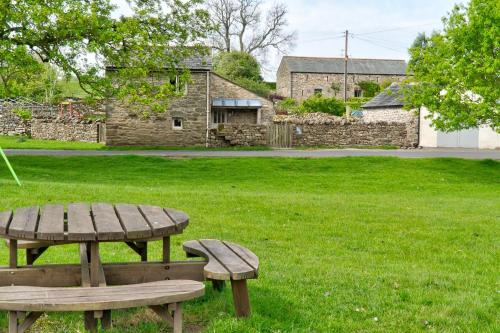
[358,92]
[318,91]
[179,84]
[177,123]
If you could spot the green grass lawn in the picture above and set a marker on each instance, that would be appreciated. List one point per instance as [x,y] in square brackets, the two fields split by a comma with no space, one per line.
[346,245]
[20,142]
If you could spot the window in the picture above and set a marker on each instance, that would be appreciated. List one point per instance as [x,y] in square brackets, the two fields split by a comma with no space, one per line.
[219,117]
[318,91]
[358,92]
[177,123]
[179,84]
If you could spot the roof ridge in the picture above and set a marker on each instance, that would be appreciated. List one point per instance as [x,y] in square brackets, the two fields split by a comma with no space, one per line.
[342,58]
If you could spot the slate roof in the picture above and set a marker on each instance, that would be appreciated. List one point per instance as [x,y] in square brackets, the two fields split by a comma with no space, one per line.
[390,97]
[199,62]
[336,65]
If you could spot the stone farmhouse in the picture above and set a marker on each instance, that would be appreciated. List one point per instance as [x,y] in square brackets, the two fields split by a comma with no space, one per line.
[302,77]
[213,111]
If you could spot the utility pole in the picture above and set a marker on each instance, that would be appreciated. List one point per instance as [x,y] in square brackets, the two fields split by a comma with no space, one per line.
[346,59]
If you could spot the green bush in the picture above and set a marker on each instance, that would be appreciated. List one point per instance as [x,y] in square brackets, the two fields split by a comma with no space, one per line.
[356,102]
[369,88]
[23,113]
[259,88]
[235,65]
[288,104]
[318,103]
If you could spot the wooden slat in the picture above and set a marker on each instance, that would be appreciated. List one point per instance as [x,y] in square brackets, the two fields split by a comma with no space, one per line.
[5,218]
[98,298]
[23,224]
[107,225]
[133,223]
[248,256]
[51,225]
[116,274]
[160,222]
[80,227]
[213,269]
[235,265]
[180,219]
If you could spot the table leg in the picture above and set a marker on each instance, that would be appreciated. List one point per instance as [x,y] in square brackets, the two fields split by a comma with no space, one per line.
[94,264]
[166,249]
[13,253]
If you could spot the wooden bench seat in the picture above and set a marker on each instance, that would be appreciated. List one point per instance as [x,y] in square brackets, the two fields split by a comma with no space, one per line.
[98,299]
[227,261]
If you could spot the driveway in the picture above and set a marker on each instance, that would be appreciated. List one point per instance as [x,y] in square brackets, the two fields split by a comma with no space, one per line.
[319,153]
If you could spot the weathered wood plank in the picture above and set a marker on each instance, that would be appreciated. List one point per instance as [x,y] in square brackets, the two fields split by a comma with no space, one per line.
[214,269]
[161,224]
[98,298]
[248,256]
[133,222]
[80,226]
[107,225]
[24,222]
[180,219]
[116,274]
[51,225]
[5,218]
[235,265]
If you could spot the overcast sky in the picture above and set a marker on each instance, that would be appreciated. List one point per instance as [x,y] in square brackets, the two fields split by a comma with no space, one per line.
[320,24]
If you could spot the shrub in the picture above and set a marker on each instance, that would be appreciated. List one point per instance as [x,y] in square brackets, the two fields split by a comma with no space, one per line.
[318,103]
[385,84]
[259,88]
[235,65]
[356,102]
[288,104]
[369,88]
[23,113]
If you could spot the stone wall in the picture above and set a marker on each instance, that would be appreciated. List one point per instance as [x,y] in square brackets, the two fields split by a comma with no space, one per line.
[304,84]
[388,114]
[283,80]
[12,124]
[226,135]
[64,129]
[325,130]
[125,128]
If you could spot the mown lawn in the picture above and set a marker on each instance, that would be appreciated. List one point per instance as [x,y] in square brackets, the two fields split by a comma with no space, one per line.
[22,142]
[346,245]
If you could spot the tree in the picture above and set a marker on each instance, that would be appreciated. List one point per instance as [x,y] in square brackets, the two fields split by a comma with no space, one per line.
[369,88]
[81,37]
[243,69]
[240,22]
[235,64]
[456,71]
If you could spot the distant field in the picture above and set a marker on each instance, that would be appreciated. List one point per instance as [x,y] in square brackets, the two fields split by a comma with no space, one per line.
[346,245]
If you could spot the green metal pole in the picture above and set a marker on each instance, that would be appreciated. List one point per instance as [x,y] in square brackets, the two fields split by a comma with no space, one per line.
[10,167]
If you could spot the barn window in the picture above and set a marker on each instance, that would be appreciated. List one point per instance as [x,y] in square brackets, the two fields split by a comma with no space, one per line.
[318,91]
[177,123]
[219,117]
[358,92]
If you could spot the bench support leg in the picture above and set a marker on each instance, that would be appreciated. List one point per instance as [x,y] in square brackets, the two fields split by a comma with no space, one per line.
[106,320]
[90,322]
[171,313]
[141,248]
[218,285]
[240,298]
[14,321]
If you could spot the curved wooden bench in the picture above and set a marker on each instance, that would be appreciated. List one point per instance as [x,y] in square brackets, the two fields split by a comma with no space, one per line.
[227,261]
[154,294]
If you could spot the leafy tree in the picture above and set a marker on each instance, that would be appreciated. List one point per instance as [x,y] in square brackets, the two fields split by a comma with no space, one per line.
[369,88]
[236,65]
[457,71]
[17,69]
[81,37]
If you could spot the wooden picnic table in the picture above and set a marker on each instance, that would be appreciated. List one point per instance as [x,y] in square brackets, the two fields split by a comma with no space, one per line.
[89,225]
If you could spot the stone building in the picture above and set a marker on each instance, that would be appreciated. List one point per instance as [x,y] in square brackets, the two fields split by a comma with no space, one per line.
[388,106]
[302,77]
[209,104]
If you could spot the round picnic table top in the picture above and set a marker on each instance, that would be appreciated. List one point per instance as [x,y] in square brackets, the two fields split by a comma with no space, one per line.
[82,222]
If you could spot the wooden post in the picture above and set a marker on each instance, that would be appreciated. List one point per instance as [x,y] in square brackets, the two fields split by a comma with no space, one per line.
[166,249]
[178,318]
[13,253]
[94,264]
[143,246]
[12,321]
[240,298]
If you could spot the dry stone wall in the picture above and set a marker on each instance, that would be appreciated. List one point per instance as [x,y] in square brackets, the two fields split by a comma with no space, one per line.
[12,124]
[65,130]
[324,130]
[394,114]
[238,135]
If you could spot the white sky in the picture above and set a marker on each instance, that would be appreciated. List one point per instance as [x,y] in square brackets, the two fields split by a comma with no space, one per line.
[320,23]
